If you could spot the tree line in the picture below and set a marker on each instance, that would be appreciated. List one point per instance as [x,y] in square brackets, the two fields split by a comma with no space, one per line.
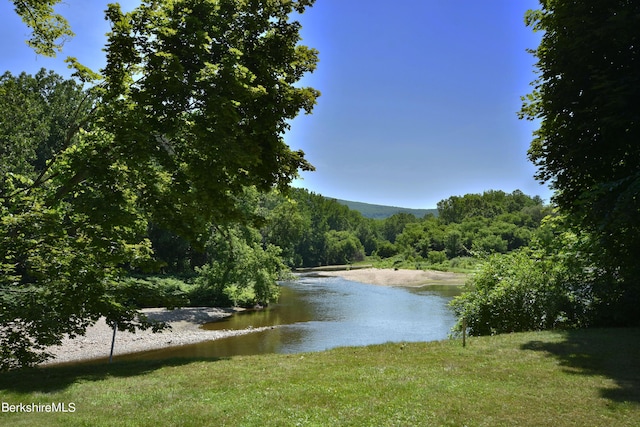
[299,228]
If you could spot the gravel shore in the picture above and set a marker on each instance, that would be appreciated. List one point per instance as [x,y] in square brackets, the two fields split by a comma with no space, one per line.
[185,329]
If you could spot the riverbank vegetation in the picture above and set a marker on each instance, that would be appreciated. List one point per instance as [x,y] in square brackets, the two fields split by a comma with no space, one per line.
[300,229]
[105,179]
[558,378]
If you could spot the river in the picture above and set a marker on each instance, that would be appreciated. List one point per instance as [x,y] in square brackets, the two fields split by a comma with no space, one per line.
[319,313]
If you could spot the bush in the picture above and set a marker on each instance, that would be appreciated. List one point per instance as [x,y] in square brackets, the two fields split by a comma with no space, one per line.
[386,249]
[517,292]
[437,257]
[204,295]
[464,263]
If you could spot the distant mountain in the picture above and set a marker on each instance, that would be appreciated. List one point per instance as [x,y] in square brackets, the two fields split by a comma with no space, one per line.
[381,211]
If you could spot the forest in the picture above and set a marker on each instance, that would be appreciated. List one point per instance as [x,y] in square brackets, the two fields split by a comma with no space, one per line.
[164,179]
[303,229]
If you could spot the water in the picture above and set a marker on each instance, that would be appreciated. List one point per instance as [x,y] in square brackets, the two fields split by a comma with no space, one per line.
[319,313]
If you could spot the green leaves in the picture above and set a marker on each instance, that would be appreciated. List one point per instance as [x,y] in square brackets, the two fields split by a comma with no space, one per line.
[242,272]
[514,293]
[584,97]
[206,89]
[50,30]
[587,144]
[195,99]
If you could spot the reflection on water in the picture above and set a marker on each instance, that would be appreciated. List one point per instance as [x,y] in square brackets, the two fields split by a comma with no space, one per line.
[318,313]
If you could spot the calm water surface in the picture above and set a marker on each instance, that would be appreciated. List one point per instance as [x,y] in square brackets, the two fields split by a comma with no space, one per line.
[319,313]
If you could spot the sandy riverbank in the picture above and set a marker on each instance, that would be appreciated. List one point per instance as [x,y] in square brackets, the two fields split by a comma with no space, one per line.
[185,329]
[391,277]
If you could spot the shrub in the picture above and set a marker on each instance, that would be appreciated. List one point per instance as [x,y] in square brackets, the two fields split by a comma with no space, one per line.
[437,257]
[517,292]
[386,249]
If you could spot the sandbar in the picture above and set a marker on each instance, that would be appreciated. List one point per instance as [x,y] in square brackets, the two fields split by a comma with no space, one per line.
[400,277]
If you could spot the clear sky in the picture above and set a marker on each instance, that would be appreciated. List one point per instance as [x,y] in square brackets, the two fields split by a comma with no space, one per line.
[419,97]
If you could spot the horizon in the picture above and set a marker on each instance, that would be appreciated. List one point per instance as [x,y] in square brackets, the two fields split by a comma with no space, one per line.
[408,207]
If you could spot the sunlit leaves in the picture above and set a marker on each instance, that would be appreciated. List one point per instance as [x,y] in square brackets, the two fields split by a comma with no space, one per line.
[49,29]
[212,88]
[191,111]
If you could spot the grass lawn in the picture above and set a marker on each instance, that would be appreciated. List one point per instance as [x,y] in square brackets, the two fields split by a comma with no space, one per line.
[576,378]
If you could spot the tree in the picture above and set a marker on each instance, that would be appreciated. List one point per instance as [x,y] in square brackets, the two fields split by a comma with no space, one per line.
[61,261]
[489,204]
[342,247]
[393,226]
[414,240]
[241,271]
[453,242]
[190,111]
[40,114]
[284,228]
[50,30]
[586,101]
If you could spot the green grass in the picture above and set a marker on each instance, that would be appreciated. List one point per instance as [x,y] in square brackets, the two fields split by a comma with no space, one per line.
[576,378]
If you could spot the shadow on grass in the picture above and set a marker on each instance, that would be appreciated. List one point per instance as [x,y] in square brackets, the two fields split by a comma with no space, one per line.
[610,353]
[48,379]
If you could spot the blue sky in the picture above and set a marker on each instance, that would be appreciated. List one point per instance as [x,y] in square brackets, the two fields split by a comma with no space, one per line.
[419,97]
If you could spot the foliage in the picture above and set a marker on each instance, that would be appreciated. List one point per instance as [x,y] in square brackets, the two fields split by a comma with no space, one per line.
[173,254]
[284,226]
[437,257]
[321,215]
[558,282]
[60,257]
[308,226]
[53,282]
[585,100]
[414,240]
[395,224]
[191,110]
[242,272]
[474,224]
[228,72]
[513,293]
[143,292]
[49,29]
[386,249]
[490,204]
[39,116]
[343,247]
